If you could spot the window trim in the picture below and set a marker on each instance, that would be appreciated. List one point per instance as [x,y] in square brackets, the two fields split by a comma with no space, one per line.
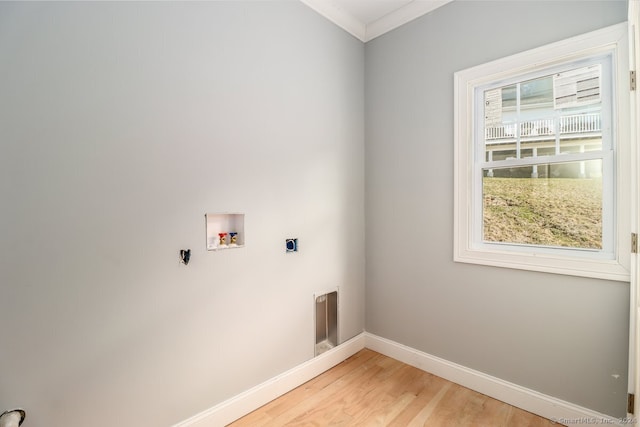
[610,40]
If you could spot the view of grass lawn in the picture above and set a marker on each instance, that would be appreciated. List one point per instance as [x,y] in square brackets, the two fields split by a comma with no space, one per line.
[563,212]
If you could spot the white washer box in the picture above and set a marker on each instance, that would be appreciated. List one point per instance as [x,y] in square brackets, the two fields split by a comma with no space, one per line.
[217,223]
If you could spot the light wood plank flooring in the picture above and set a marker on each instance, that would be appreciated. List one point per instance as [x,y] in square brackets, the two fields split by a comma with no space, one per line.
[369,389]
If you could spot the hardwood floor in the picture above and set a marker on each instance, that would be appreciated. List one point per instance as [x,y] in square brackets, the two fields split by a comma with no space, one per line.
[370,389]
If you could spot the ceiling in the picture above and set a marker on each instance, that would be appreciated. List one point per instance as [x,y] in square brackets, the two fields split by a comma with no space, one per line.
[368,19]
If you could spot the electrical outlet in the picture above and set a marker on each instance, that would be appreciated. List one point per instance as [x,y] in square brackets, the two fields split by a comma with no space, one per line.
[292,245]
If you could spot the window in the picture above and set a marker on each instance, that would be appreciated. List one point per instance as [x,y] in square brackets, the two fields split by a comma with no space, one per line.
[542,159]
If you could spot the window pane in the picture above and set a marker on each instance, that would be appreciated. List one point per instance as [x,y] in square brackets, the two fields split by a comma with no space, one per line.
[539,139]
[558,208]
[522,120]
[537,93]
[580,132]
[500,114]
[501,151]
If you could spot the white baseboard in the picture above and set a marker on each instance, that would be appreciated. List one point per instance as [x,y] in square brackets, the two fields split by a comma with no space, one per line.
[250,400]
[532,401]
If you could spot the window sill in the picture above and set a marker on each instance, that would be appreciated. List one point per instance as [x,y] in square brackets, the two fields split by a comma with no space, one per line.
[609,269]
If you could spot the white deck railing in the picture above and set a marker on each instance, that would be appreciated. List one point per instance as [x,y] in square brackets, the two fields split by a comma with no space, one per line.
[573,124]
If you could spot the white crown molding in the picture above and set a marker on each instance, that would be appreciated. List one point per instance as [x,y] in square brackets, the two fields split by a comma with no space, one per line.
[401,16]
[339,17]
[365,32]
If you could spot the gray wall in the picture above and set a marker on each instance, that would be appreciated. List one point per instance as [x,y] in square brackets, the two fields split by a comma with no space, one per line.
[121,124]
[559,335]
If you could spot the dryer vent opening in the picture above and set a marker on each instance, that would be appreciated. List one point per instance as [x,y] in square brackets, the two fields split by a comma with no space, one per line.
[326,322]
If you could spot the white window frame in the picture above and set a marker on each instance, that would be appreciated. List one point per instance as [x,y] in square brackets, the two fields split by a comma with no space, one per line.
[613,262]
